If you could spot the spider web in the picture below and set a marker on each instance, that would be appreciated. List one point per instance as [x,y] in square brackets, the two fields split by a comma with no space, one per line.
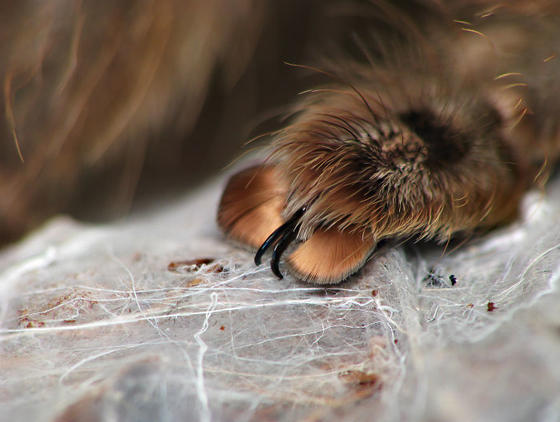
[120,322]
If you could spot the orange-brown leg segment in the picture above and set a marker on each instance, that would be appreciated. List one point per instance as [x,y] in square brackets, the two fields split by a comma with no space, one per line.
[330,256]
[251,205]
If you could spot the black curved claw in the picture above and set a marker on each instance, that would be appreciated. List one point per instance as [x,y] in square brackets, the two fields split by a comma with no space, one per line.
[270,240]
[279,249]
[282,237]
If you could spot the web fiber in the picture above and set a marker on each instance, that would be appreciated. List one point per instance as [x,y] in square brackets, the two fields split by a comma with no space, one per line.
[97,324]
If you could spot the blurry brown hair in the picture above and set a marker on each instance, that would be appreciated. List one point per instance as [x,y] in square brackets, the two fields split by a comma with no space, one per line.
[103,100]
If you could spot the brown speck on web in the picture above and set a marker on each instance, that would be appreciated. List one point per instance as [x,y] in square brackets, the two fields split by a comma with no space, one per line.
[359,377]
[364,383]
[191,265]
[195,282]
[216,268]
[32,323]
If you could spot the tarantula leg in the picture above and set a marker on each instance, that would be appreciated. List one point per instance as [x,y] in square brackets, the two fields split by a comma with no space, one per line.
[251,205]
[330,255]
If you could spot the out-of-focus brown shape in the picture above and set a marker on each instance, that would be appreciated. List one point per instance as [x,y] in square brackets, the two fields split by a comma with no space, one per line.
[87,85]
[102,100]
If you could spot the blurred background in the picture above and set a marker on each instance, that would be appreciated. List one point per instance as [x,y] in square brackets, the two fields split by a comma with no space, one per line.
[107,106]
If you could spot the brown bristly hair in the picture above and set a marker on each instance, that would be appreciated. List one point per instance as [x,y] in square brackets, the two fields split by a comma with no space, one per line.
[410,145]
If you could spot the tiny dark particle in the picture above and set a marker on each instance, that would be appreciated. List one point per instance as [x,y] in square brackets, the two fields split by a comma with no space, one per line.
[491,307]
[452,279]
[222,328]
[216,268]
[396,341]
[69,321]
[374,293]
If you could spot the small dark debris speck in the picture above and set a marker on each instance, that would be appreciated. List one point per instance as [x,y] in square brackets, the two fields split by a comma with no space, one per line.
[491,307]
[189,264]
[453,279]
[359,377]
[216,268]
